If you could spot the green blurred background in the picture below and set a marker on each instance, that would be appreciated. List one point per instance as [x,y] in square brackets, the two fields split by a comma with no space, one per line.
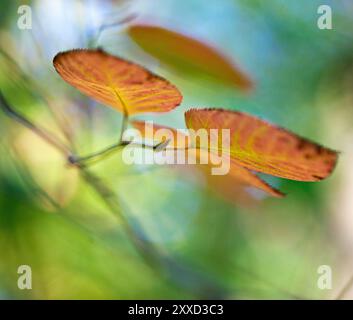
[161,234]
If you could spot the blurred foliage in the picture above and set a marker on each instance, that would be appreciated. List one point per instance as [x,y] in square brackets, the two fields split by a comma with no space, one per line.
[190,242]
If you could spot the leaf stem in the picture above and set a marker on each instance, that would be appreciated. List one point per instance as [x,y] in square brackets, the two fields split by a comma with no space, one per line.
[123,125]
[116,146]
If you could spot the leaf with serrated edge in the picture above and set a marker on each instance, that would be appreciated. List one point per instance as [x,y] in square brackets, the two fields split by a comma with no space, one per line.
[123,85]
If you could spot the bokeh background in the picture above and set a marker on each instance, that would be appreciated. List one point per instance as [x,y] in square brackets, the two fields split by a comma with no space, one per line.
[161,234]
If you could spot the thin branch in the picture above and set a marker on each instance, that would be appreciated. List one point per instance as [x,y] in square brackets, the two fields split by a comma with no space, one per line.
[51,139]
[116,146]
[35,86]
[31,183]
[46,135]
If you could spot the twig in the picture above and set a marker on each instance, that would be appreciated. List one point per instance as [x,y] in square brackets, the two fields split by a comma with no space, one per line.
[35,86]
[51,139]
[106,151]
[44,134]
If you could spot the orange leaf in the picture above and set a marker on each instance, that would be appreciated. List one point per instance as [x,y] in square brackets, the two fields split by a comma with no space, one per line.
[225,184]
[187,55]
[116,82]
[258,145]
[244,175]
[236,175]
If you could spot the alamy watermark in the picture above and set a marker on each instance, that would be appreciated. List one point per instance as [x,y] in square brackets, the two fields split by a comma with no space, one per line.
[325,19]
[24,21]
[324,282]
[24,281]
[200,146]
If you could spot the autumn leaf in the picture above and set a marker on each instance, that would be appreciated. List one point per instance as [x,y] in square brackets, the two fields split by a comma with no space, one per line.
[187,55]
[236,175]
[225,184]
[123,85]
[258,145]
